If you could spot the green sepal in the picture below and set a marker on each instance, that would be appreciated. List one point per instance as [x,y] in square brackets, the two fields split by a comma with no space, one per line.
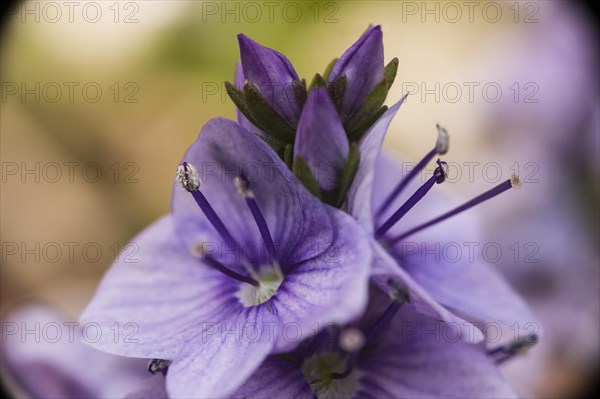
[336,89]
[329,69]
[357,124]
[299,87]
[276,145]
[304,174]
[317,81]
[360,130]
[270,121]
[288,155]
[239,99]
[350,169]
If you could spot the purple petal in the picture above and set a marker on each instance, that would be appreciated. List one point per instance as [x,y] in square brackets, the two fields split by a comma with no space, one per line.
[385,267]
[273,73]
[422,358]
[44,355]
[224,150]
[218,361]
[153,387]
[321,139]
[152,302]
[361,194]
[362,64]
[332,287]
[476,292]
[276,378]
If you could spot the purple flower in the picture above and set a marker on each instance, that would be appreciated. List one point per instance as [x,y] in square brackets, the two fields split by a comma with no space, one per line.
[466,291]
[43,355]
[390,352]
[362,66]
[246,252]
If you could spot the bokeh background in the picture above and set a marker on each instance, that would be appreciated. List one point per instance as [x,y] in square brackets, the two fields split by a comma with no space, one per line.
[100,100]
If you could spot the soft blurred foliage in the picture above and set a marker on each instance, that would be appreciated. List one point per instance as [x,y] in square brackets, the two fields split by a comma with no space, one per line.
[161,64]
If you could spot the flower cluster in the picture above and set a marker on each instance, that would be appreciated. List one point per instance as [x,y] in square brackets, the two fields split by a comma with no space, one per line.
[280,271]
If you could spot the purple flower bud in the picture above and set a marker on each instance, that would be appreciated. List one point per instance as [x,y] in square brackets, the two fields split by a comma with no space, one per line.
[273,74]
[362,64]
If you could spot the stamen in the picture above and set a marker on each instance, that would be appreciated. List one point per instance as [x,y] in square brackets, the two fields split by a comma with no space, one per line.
[499,189]
[441,148]
[187,176]
[351,340]
[399,296]
[506,352]
[438,177]
[243,187]
[215,264]
[156,366]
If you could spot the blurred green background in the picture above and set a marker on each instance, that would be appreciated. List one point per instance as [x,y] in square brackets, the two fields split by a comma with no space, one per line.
[101,99]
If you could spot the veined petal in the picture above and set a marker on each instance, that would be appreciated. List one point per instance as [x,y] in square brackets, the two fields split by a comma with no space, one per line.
[218,361]
[329,287]
[150,304]
[362,64]
[273,73]
[321,139]
[276,378]
[361,192]
[223,151]
[420,358]
[57,363]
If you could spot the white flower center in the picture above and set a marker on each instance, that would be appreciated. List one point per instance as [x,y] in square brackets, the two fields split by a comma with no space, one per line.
[269,279]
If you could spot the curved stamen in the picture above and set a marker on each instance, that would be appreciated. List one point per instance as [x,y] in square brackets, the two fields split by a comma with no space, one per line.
[215,264]
[399,297]
[187,176]
[441,148]
[499,189]
[243,187]
[438,177]
[506,352]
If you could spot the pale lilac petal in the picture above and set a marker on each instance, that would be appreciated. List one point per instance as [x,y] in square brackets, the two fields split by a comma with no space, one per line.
[149,304]
[332,287]
[321,139]
[44,355]
[362,64]
[153,387]
[224,150]
[478,293]
[273,74]
[421,358]
[385,267]
[361,191]
[277,378]
[220,359]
